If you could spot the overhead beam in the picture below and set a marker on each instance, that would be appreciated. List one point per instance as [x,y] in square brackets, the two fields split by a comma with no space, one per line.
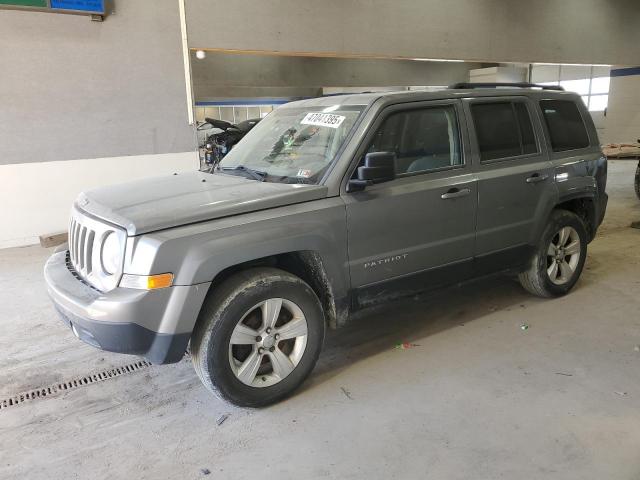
[545,31]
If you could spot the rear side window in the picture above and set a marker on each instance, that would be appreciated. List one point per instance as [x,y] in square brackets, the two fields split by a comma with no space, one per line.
[565,125]
[503,130]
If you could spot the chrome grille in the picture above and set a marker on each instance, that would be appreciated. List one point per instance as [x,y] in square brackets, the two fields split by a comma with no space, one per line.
[86,236]
[81,243]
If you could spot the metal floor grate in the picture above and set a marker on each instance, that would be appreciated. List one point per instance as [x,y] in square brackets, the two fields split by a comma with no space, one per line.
[51,390]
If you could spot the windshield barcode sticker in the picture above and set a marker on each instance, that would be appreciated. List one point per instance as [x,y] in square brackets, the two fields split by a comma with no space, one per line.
[323,120]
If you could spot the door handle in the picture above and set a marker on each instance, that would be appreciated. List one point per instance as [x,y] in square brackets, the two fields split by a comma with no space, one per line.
[537,178]
[456,193]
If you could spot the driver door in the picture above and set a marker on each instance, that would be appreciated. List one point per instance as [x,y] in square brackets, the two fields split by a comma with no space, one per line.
[417,230]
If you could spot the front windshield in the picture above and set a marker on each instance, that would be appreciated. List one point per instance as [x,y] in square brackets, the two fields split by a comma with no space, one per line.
[293,144]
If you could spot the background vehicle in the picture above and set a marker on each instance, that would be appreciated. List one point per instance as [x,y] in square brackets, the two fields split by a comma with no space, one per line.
[327,206]
[216,145]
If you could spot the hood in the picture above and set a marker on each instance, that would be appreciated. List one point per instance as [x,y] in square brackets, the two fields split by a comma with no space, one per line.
[169,201]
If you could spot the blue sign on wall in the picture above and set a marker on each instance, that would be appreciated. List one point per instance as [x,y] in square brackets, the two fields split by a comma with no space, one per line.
[94,6]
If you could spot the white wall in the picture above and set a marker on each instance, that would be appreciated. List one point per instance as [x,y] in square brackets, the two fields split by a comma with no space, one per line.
[498,74]
[36,198]
[622,123]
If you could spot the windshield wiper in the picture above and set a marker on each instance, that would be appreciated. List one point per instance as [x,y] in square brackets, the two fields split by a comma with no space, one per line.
[255,174]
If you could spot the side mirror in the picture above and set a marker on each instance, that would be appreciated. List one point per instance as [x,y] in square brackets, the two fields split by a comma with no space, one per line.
[378,167]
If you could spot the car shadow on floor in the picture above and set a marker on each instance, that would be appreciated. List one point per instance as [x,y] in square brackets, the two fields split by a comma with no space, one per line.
[405,321]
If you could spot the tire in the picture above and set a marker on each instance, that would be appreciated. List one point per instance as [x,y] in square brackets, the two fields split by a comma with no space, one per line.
[637,181]
[256,372]
[545,277]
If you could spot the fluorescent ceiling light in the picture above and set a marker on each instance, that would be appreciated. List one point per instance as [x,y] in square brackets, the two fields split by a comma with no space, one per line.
[574,64]
[437,60]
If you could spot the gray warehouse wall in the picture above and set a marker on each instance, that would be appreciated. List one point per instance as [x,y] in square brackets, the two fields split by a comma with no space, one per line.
[242,75]
[86,104]
[560,31]
[75,89]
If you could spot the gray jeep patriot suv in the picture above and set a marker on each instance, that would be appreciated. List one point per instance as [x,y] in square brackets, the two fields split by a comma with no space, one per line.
[327,206]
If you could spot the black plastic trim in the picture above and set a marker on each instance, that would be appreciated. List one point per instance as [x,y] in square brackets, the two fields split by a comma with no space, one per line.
[129,338]
[412,283]
[511,258]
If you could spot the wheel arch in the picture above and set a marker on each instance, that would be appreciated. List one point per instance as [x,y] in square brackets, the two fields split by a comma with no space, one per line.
[583,206]
[305,264]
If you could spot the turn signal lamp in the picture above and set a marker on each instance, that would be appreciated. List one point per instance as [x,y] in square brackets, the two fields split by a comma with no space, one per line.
[147,282]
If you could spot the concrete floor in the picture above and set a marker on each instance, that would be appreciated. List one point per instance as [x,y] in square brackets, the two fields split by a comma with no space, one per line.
[475,397]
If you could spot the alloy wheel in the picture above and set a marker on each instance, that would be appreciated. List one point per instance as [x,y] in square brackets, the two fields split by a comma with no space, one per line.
[563,255]
[268,342]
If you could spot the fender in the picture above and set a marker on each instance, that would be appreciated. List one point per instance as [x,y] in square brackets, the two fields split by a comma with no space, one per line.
[564,199]
[198,253]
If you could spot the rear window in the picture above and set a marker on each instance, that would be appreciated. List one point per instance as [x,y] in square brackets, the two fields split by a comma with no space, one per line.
[566,127]
[503,130]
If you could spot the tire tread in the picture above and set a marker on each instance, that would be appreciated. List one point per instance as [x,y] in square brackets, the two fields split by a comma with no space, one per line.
[210,321]
[533,279]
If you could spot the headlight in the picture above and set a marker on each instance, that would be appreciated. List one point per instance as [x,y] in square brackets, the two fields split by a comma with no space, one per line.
[110,253]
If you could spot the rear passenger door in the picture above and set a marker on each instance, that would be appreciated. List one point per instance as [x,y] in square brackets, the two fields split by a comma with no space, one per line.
[515,183]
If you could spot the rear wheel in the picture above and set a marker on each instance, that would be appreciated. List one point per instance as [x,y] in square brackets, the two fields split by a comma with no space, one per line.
[559,258]
[637,181]
[258,337]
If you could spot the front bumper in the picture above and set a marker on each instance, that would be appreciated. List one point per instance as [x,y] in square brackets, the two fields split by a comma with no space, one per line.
[155,324]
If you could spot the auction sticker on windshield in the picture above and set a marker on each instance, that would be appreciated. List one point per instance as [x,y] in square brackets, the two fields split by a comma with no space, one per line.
[323,120]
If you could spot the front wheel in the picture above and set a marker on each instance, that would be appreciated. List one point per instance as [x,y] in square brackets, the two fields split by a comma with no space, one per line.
[558,261]
[258,337]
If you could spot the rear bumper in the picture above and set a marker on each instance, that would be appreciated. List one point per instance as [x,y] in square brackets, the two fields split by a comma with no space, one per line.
[604,200]
[154,324]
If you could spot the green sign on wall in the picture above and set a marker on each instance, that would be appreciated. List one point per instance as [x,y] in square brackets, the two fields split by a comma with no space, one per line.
[25,3]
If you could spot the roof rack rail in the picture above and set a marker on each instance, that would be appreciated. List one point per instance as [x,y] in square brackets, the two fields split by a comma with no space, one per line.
[469,85]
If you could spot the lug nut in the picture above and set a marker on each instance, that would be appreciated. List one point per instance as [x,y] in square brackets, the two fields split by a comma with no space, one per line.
[268,329]
[258,338]
[277,336]
[272,349]
[261,350]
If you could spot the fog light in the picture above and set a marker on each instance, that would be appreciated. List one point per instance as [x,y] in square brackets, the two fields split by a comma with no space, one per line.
[147,282]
